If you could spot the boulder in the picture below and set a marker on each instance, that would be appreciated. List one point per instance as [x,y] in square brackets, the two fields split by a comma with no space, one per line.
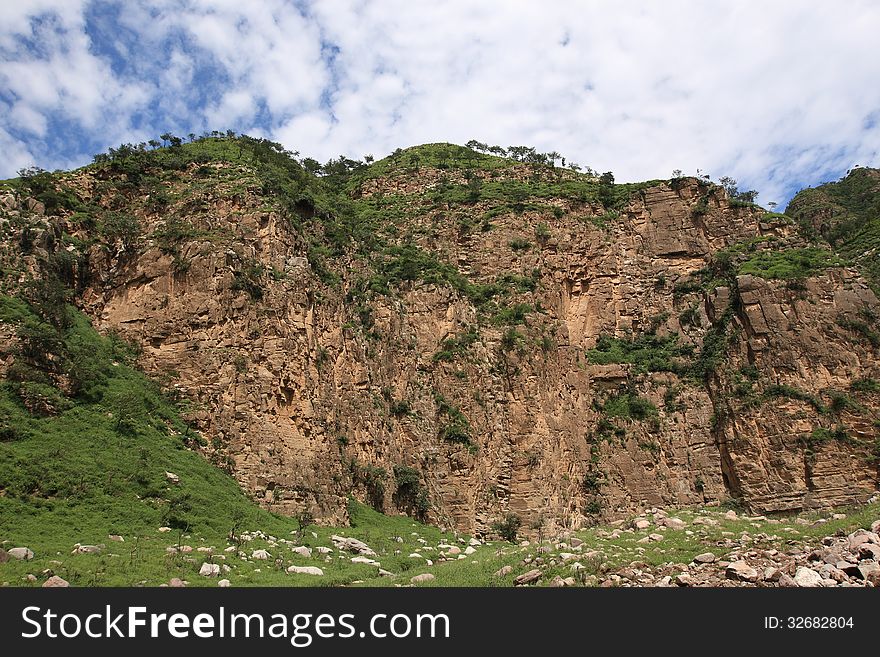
[260,555]
[55,582]
[740,570]
[172,478]
[807,578]
[424,577]
[503,571]
[224,583]
[305,570]
[705,557]
[527,578]
[209,570]
[673,523]
[641,524]
[303,551]
[176,583]
[352,545]
[21,553]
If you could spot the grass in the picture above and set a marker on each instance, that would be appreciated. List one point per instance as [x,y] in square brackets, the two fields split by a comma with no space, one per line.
[647,352]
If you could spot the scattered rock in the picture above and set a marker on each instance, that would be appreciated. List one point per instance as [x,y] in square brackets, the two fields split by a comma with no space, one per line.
[261,555]
[655,537]
[172,478]
[683,579]
[528,578]
[469,550]
[305,570]
[303,551]
[209,570]
[740,570]
[869,551]
[673,523]
[55,582]
[575,542]
[366,560]
[705,557]
[807,578]
[352,545]
[117,538]
[641,524]
[424,577]
[31,578]
[453,550]
[176,583]
[224,583]
[503,571]
[772,574]
[323,550]
[86,549]
[21,553]
[557,582]
[786,581]
[164,530]
[730,515]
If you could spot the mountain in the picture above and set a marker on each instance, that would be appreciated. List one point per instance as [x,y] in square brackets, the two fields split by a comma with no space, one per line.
[452,334]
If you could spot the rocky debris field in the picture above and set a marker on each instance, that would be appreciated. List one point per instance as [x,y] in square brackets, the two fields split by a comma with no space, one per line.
[707,546]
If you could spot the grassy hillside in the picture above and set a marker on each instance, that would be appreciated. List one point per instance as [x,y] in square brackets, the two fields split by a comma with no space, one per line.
[846,213]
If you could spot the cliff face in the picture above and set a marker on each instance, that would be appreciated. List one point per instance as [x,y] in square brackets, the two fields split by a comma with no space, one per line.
[544,356]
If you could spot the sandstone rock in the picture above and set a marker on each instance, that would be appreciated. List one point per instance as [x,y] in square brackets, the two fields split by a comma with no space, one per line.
[655,537]
[323,550]
[528,577]
[86,549]
[305,570]
[164,530]
[469,550]
[705,557]
[260,555]
[875,527]
[176,583]
[209,570]
[55,582]
[172,478]
[730,515]
[117,538]
[683,579]
[303,551]
[503,571]
[740,570]
[641,524]
[453,551]
[21,553]
[807,577]
[556,582]
[868,567]
[420,579]
[873,578]
[224,583]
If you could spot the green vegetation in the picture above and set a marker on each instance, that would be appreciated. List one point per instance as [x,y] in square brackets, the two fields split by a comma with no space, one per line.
[646,352]
[846,213]
[508,528]
[789,264]
[456,428]
[628,405]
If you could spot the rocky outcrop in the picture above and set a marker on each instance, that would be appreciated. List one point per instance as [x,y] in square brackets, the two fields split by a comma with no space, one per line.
[299,386]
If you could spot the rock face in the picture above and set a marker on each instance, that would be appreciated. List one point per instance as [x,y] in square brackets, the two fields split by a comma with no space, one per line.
[301,384]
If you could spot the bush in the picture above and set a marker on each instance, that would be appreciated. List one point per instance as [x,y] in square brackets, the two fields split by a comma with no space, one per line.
[508,528]
[410,494]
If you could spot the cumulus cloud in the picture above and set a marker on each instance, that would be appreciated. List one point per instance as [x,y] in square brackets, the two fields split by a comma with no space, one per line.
[778,95]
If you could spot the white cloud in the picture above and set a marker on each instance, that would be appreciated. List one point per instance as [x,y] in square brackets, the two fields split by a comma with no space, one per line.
[774,94]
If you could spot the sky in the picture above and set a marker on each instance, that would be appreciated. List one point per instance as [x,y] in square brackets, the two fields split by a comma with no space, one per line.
[779,95]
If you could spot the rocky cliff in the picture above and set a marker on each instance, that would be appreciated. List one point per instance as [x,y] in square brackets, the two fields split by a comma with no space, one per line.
[461,337]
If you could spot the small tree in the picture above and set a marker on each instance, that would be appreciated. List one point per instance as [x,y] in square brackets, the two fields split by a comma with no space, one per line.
[509,527]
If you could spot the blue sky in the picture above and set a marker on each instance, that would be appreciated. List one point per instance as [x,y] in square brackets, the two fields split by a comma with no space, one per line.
[779,95]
